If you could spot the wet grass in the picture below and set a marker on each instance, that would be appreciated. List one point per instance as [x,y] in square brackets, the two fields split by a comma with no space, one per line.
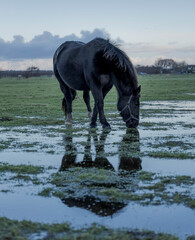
[41,98]
[21,169]
[122,187]
[174,144]
[26,230]
[40,105]
[165,154]
[4,144]
[167,87]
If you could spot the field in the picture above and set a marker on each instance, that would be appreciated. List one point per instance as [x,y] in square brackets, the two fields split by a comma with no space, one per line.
[73,182]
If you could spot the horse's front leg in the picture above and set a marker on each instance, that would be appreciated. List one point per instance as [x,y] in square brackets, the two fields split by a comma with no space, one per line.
[99,108]
[93,123]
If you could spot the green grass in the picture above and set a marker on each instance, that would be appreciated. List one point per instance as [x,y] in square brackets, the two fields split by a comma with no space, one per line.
[24,230]
[21,169]
[167,87]
[41,97]
[165,154]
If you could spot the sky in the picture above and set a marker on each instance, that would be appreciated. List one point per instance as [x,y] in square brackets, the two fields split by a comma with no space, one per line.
[31,31]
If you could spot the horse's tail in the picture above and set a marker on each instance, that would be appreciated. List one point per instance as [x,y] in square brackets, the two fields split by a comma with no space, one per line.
[73,92]
[61,82]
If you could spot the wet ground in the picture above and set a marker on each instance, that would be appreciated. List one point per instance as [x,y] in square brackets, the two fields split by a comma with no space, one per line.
[142,178]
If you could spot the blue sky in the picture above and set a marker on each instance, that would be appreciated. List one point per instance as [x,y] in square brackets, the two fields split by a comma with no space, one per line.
[146,29]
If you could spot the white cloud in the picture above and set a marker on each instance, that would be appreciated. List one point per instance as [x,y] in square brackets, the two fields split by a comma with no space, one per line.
[19,55]
[43,64]
[147,53]
[43,45]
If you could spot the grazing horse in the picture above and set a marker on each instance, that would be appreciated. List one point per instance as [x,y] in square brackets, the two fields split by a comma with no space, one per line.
[96,66]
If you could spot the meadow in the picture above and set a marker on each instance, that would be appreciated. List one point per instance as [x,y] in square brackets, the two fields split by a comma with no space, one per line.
[73,182]
[42,96]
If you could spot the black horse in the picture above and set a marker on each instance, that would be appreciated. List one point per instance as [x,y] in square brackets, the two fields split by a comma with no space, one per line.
[97,66]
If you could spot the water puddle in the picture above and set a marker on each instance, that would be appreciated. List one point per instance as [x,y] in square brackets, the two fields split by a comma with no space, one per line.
[122,178]
[51,210]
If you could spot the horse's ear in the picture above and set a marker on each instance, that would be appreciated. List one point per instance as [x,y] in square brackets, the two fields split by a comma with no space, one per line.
[137,91]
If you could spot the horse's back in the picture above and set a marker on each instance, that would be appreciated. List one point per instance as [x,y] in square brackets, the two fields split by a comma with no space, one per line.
[77,63]
[68,62]
[64,47]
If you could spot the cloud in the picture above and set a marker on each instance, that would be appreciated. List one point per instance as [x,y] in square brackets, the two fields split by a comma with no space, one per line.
[19,55]
[147,53]
[43,45]
[42,63]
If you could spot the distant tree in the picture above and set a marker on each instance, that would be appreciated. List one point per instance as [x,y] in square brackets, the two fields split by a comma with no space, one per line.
[33,69]
[32,72]
[142,70]
[165,63]
[181,67]
[181,64]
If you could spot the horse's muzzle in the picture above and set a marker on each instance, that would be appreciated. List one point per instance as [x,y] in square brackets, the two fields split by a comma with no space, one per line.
[132,123]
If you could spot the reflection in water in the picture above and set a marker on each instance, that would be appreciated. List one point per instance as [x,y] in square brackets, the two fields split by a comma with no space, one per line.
[95,205]
[127,152]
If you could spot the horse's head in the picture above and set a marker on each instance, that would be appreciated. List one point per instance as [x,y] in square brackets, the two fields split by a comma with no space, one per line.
[129,108]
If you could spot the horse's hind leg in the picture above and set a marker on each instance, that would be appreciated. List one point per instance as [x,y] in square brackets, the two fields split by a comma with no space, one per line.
[64,105]
[68,115]
[93,123]
[69,95]
[86,98]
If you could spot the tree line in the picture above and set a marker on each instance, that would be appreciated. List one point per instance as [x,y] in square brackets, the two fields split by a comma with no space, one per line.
[160,66]
[166,66]
[29,72]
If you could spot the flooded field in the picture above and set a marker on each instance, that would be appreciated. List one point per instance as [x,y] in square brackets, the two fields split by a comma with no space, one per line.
[124,178]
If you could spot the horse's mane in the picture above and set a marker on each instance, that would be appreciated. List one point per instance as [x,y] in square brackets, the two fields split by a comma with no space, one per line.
[113,53]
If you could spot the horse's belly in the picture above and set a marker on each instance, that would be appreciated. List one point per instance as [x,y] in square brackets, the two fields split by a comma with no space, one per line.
[75,82]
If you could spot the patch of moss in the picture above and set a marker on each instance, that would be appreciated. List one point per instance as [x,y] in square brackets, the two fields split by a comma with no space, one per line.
[5,144]
[45,192]
[20,176]
[174,144]
[191,237]
[25,230]
[143,187]
[118,195]
[21,169]
[191,203]
[161,154]
[147,124]
[146,176]
[78,174]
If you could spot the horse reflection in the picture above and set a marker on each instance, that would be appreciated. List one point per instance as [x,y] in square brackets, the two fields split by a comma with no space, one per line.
[128,151]
[95,205]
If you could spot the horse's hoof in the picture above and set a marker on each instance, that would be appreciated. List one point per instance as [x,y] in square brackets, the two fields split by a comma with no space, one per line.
[68,123]
[106,127]
[93,125]
[89,115]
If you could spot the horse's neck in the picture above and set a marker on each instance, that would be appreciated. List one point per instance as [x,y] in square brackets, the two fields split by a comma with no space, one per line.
[122,89]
